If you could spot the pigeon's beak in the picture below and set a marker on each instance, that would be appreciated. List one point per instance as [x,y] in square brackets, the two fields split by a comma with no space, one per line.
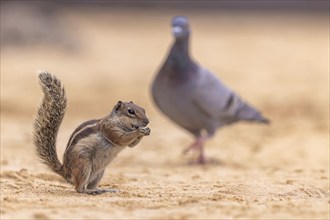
[177,31]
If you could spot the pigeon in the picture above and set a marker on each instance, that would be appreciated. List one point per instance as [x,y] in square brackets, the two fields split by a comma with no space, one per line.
[193,97]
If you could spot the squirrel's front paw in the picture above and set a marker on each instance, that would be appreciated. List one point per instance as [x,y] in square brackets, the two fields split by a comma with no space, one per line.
[144,130]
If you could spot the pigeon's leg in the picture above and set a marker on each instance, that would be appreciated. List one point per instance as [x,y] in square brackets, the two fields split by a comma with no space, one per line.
[201,159]
[198,145]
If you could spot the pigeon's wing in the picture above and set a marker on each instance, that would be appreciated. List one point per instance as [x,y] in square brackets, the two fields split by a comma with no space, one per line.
[212,97]
[218,102]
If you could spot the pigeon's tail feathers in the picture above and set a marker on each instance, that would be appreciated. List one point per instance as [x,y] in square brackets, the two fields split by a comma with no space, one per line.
[261,119]
[264,120]
[248,113]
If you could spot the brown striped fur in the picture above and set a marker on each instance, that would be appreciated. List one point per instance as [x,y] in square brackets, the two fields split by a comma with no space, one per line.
[92,145]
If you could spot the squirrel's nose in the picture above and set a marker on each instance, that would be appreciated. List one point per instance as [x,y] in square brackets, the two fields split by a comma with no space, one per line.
[145,121]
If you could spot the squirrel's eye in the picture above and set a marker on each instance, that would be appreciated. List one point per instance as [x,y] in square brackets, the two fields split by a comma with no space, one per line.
[131,111]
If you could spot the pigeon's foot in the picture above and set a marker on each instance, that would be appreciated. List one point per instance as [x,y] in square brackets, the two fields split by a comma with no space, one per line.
[198,146]
[201,158]
[204,160]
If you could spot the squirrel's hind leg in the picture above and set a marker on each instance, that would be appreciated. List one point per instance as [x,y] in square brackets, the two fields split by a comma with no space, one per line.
[94,180]
[93,184]
[81,177]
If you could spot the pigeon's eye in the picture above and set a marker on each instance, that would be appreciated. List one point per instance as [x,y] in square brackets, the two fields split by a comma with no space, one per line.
[131,111]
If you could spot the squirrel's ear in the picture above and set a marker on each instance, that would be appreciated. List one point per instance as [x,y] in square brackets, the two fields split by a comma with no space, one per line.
[119,104]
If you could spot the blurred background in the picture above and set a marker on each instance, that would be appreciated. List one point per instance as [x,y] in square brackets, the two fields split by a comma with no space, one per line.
[275,54]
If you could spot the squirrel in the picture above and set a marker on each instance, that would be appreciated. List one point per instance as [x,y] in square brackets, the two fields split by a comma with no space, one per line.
[92,145]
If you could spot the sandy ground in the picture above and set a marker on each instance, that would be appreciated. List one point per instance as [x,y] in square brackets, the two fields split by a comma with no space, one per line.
[278,62]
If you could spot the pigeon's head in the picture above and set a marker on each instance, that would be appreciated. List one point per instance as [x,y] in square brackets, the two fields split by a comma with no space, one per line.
[180,27]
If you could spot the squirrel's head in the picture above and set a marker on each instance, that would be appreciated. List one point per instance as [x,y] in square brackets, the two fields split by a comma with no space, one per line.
[130,115]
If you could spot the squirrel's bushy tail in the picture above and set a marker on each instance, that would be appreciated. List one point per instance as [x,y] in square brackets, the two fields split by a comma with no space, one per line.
[48,120]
